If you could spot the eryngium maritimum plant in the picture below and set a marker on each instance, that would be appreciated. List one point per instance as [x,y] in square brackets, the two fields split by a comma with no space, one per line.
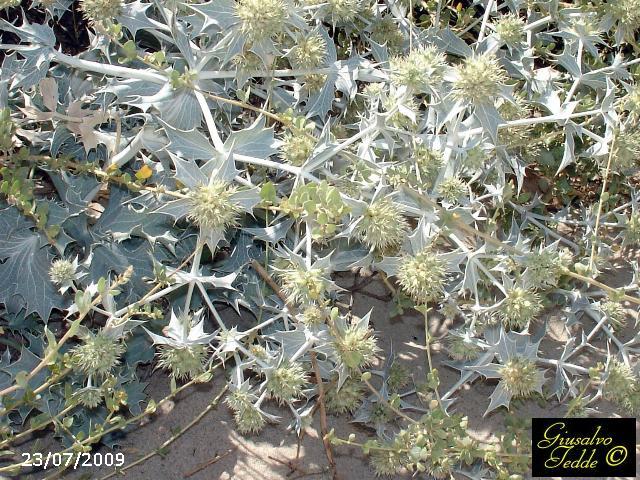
[418,71]
[100,12]
[261,18]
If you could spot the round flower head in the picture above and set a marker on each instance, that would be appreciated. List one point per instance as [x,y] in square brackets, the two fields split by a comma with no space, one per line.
[89,397]
[545,267]
[345,400]
[385,31]
[461,349]
[6,129]
[249,420]
[632,102]
[626,13]
[296,148]
[314,315]
[428,161]
[479,79]
[338,10]
[212,206]
[286,382]
[382,225]
[519,307]
[356,346]
[626,150]
[452,189]
[615,313]
[510,29]
[398,376]
[184,363]
[309,52]
[97,355]
[62,272]
[419,70]
[520,376]
[422,276]
[261,18]
[632,229]
[387,461]
[303,286]
[100,12]
[620,384]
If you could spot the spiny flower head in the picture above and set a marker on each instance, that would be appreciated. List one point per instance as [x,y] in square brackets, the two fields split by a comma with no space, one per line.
[185,362]
[212,206]
[309,52]
[519,307]
[545,267]
[346,399]
[621,384]
[261,18]
[510,29]
[615,313]
[479,79]
[626,150]
[355,344]
[338,10]
[422,276]
[632,229]
[398,376]
[62,271]
[89,397]
[428,160]
[451,189]
[6,129]
[419,70]
[297,147]
[520,376]
[632,102]
[386,31]
[101,12]
[97,355]
[461,349]
[626,13]
[249,420]
[314,315]
[286,382]
[303,286]
[382,225]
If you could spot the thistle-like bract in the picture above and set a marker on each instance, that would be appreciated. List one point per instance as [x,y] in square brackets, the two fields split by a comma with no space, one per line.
[382,225]
[261,18]
[101,12]
[97,355]
[297,147]
[479,79]
[520,376]
[419,70]
[510,29]
[422,276]
[346,399]
[62,271]
[249,420]
[309,52]
[185,362]
[212,206]
[519,307]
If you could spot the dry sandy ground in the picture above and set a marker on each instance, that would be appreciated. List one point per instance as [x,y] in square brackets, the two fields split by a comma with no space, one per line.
[265,456]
